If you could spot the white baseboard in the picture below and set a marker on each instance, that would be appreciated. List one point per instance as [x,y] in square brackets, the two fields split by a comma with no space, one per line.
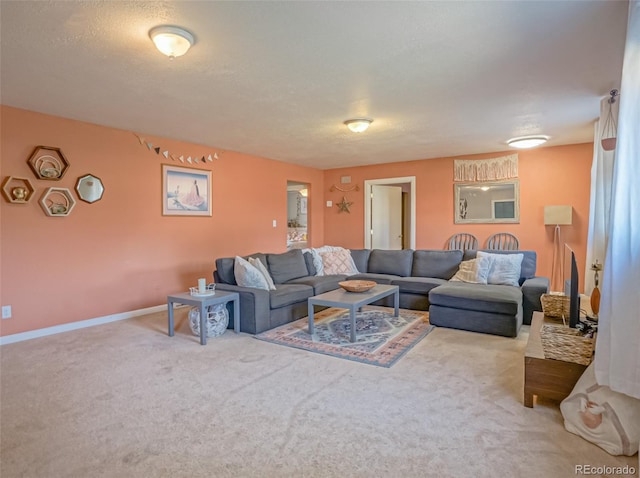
[57,329]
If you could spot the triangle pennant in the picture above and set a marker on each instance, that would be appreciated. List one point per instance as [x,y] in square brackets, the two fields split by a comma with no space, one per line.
[182,159]
[157,150]
[209,158]
[150,146]
[165,154]
[215,155]
[189,159]
[140,138]
[172,157]
[204,160]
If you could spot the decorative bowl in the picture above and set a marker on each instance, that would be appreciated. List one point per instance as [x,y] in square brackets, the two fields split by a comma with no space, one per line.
[357,285]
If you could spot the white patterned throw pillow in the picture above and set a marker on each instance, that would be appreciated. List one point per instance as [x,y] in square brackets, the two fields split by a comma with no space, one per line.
[338,262]
[474,271]
[257,263]
[505,268]
[248,275]
[318,262]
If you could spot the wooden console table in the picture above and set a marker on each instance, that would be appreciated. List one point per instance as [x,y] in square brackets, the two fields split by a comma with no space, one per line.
[548,378]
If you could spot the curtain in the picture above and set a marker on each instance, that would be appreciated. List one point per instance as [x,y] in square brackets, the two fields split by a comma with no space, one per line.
[617,359]
[601,180]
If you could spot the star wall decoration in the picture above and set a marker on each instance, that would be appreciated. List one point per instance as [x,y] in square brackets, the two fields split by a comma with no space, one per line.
[344,205]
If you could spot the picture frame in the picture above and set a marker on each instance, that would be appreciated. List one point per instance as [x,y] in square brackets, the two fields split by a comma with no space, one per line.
[185,191]
[303,205]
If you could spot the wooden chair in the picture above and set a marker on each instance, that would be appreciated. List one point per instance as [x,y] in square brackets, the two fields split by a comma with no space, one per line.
[463,242]
[503,241]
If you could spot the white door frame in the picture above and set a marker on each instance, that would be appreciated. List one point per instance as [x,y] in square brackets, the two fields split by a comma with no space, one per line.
[411,180]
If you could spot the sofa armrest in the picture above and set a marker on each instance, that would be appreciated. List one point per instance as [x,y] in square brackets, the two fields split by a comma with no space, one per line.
[255,307]
[532,290]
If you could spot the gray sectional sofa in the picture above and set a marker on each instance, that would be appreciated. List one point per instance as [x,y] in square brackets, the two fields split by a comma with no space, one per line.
[421,275]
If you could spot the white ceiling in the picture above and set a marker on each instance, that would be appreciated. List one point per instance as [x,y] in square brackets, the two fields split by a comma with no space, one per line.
[277,79]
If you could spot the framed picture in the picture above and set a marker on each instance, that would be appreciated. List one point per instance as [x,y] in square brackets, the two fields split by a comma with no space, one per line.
[303,205]
[185,191]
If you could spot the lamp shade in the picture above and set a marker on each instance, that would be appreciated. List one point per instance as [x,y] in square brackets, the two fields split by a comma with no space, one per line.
[557,215]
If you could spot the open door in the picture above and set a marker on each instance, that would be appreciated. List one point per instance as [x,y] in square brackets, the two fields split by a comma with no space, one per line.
[386,217]
[392,223]
[297,215]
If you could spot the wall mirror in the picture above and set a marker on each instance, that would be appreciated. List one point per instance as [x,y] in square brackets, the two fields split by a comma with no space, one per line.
[496,202]
[89,188]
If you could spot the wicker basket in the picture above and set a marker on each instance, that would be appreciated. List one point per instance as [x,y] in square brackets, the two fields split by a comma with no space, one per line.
[566,344]
[555,305]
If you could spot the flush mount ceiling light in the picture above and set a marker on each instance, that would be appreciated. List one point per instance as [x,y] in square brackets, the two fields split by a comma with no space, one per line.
[172,41]
[525,142]
[358,125]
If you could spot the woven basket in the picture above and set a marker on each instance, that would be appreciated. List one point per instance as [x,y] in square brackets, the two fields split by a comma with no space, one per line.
[566,344]
[555,305]
[357,285]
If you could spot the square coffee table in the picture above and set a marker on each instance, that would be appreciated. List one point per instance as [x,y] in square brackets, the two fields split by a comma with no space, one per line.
[353,301]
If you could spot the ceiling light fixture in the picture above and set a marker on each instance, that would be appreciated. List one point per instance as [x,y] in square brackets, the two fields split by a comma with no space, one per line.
[358,125]
[172,41]
[525,142]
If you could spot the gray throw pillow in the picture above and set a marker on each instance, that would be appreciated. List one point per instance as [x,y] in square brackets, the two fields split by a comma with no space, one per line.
[287,266]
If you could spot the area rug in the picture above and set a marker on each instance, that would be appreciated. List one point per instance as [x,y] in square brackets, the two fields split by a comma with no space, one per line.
[381,339]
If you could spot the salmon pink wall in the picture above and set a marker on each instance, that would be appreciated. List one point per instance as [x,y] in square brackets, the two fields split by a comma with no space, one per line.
[548,176]
[120,254]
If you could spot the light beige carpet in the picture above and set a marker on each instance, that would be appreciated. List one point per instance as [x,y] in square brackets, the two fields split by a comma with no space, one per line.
[126,400]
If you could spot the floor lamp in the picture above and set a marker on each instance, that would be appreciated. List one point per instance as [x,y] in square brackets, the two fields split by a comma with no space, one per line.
[557,216]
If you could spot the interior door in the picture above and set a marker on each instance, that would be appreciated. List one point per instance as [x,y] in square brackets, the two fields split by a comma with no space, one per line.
[386,217]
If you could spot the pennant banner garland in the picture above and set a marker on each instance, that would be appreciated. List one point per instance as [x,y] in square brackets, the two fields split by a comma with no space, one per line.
[174,157]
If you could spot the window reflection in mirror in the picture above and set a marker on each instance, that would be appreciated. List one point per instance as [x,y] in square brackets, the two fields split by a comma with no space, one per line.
[484,202]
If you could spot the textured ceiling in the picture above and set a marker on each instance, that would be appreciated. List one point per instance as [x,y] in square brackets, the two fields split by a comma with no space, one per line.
[277,79]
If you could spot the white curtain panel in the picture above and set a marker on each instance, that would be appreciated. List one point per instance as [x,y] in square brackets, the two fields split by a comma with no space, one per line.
[601,180]
[617,360]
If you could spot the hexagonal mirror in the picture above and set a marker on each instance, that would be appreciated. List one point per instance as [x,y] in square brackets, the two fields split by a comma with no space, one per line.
[89,188]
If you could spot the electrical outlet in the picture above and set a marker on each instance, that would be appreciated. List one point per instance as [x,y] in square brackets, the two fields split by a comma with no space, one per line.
[6,311]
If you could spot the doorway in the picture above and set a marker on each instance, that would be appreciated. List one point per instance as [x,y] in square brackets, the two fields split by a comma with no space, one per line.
[297,215]
[390,213]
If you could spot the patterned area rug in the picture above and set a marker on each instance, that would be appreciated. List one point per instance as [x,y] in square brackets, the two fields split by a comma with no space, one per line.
[381,338]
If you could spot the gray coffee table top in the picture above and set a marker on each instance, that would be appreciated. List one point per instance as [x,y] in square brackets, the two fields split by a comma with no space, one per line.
[343,298]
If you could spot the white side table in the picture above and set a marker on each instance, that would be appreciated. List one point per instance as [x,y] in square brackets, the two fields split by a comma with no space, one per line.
[220,297]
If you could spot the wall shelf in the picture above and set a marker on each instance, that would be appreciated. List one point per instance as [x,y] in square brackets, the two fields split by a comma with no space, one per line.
[17,190]
[48,163]
[57,202]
